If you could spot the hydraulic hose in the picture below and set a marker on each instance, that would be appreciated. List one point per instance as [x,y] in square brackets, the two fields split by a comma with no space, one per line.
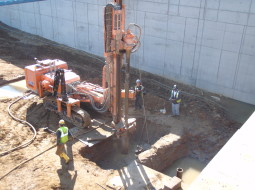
[137,46]
[51,147]
[105,106]
[16,167]
[23,122]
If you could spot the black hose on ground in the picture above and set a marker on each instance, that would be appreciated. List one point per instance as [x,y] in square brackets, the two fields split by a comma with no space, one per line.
[23,122]
[16,167]
[52,132]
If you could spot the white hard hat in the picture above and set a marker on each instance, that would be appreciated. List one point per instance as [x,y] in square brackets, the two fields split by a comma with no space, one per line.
[61,122]
[138,81]
[175,86]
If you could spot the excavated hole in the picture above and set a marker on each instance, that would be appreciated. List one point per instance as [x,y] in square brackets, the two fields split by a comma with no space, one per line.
[168,150]
[107,154]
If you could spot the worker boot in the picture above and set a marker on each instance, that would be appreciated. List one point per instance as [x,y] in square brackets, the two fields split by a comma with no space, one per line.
[66,158]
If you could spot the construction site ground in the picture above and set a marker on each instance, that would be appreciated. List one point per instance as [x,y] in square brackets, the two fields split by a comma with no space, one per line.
[208,121]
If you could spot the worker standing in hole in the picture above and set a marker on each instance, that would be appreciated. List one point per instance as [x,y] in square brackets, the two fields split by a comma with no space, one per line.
[63,135]
[176,100]
[139,92]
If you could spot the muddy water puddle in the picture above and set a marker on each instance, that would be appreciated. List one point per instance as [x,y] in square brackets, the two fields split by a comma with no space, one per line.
[191,169]
[13,89]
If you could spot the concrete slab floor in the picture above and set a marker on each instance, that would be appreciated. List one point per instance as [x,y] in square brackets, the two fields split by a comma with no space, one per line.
[137,176]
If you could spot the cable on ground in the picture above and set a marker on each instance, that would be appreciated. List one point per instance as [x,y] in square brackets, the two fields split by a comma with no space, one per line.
[16,167]
[144,114]
[23,122]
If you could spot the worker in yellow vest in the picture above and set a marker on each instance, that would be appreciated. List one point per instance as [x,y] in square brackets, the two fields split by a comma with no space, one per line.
[63,135]
[176,100]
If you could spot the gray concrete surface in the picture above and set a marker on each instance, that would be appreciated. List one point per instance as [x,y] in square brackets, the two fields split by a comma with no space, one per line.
[209,44]
[233,167]
[137,176]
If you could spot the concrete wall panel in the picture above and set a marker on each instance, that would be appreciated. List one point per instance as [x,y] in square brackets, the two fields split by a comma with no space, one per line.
[208,72]
[187,60]
[173,10]
[234,28]
[93,37]
[176,28]
[232,42]
[191,12]
[249,44]
[27,7]
[45,7]
[81,34]
[246,74]
[173,57]
[213,4]
[227,68]
[155,50]
[81,12]
[208,44]
[235,5]
[29,23]
[213,34]
[47,27]
[65,10]
[151,6]
[15,18]
[253,6]
[191,3]
[66,32]
[155,25]
[191,27]
[233,17]
[251,21]
[211,14]
[93,14]
[5,15]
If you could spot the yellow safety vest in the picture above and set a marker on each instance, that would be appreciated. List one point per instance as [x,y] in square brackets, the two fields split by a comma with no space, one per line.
[64,134]
[176,96]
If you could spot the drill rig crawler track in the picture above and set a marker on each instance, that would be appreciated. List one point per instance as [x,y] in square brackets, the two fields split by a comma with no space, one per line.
[79,117]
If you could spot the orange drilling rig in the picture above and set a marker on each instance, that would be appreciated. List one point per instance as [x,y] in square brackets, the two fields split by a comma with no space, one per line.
[63,91]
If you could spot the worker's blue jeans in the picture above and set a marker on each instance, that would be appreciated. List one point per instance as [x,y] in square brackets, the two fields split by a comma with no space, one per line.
[175,109]
[138,102]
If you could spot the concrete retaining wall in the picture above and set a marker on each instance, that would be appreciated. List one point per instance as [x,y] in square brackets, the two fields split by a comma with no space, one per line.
[206,43]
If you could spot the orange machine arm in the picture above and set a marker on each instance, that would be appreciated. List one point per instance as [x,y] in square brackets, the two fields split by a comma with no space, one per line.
[117,42]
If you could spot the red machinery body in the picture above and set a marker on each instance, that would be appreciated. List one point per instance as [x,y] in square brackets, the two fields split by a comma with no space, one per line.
[35,74]
[40,79]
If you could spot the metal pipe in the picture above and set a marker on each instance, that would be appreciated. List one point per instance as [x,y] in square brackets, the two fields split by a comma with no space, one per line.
[127,76]
[179,172]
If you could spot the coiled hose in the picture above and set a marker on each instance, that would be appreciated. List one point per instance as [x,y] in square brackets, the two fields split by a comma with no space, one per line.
[105,106]
[23,122]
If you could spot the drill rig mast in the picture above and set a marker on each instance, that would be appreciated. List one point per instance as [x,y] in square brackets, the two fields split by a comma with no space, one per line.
[117,42]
